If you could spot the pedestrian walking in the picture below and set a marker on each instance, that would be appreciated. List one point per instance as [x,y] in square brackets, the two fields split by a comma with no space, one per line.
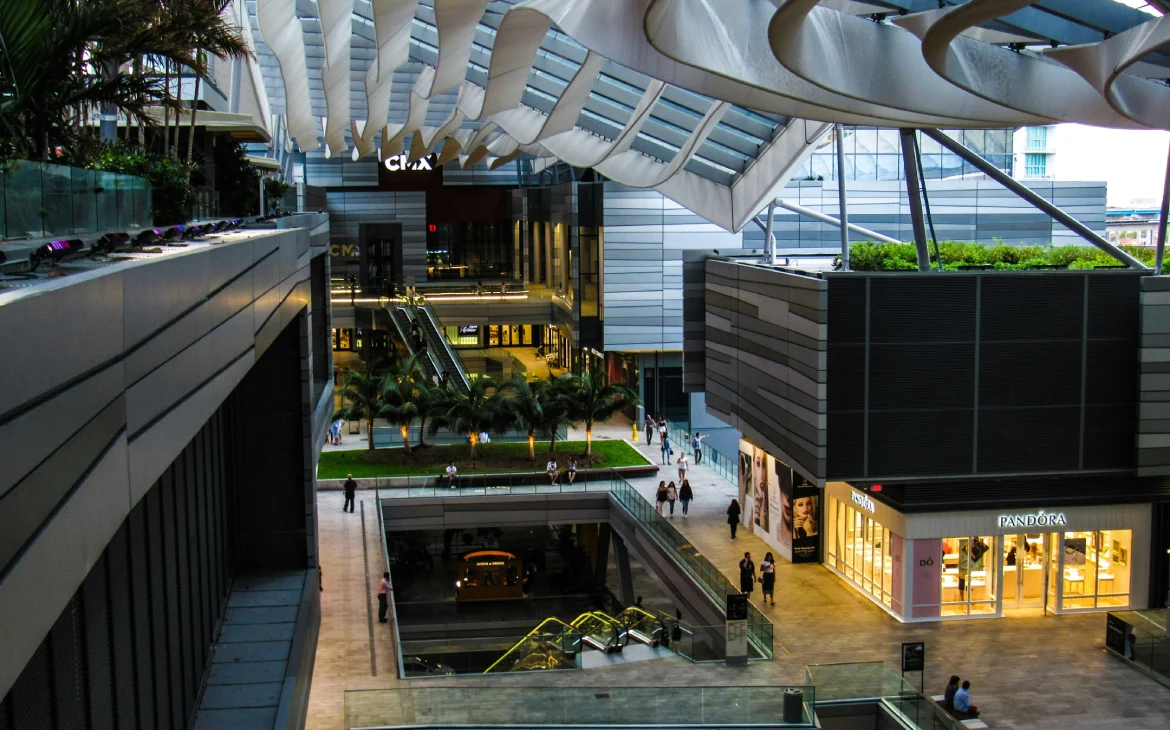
[671,497]
[572,469]
[666,450]
[383,597]
[768,579]
[452,472]
[697,446]
[683,465]
[685,495]
[350,490]
[553,471]
[733,512]
[649,427]
[660,497]
[747,574]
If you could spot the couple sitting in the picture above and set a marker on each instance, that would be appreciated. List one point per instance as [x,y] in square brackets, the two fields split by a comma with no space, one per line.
[957,699]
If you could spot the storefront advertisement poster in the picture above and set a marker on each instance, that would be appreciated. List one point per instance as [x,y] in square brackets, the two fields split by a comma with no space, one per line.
[783,476]
[927,577]
[806,520]
[745,475]
[760,493]
[774,510]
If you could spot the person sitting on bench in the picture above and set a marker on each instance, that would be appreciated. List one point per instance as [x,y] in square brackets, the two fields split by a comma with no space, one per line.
[963,701]
[949,694]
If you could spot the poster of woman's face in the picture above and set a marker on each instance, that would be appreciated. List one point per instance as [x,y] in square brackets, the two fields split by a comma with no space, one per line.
[804,516]
[745,475]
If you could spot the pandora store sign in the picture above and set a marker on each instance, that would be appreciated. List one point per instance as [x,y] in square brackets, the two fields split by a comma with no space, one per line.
[1040,519]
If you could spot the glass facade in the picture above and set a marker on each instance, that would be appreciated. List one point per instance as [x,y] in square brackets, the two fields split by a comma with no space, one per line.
[1096,569]
[1035,164]
[969,575]
[859,549]
[876,154]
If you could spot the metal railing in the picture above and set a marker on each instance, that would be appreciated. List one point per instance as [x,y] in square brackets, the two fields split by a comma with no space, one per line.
[388,437]
[701,570]
[523,707]
[725,466]
[878,682]
[38,199]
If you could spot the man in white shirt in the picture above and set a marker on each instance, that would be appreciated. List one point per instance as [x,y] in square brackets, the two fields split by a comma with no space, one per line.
[451,473]
[553,471]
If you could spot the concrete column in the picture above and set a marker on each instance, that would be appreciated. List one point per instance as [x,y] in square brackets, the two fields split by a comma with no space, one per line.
[625,579]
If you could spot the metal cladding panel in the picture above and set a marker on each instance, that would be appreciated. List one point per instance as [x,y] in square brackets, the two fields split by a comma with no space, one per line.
[31,697]
[98,655]
[113,656]
[68,665]
[647,239]
[765,367]
[981,374]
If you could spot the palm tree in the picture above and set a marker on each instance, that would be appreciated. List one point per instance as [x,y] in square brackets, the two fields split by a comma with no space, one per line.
[210,33]
[592,398]
[400,405]
[432,401]
[63,59]
[402,389]
[477,410]
[524,401]
[363,391]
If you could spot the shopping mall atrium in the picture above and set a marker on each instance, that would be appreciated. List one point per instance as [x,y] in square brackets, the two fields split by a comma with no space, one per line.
[584,364]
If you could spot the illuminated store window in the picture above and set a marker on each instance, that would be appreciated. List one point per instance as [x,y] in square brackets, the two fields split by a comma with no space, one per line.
[859,548]
[969,575]
[1096,569]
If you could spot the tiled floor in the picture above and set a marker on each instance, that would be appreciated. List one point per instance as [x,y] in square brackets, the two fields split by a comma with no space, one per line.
[1029,672]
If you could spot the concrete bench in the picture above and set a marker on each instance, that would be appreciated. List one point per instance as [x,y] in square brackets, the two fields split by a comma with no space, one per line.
[972,722]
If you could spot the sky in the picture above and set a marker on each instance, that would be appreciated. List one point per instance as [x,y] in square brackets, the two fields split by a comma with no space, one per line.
[1132,163]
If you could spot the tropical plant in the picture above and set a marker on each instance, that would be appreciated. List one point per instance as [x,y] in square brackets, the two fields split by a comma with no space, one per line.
[868,256]
[525,400]
[473,412]
[591,398]
[171,193]
[554,408]
[402,387]
[362,390]
[432,401]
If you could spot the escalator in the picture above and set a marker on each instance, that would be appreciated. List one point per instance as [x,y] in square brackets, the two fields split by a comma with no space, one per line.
[554,644]
[401,319]
[441,348]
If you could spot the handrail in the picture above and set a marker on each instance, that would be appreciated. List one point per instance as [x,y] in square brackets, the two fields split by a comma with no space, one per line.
[534,635]
[395,637]
[426,351]
[423,308]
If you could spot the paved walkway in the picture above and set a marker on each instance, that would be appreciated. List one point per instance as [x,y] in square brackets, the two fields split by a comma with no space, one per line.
[1029,673]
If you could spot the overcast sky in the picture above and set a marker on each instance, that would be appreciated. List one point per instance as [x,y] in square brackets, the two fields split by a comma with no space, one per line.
[1133,163]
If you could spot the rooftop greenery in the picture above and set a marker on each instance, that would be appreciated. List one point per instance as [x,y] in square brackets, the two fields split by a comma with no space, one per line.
[957,256]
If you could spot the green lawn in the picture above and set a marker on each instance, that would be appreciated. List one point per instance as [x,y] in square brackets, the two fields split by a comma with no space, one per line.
[494,458]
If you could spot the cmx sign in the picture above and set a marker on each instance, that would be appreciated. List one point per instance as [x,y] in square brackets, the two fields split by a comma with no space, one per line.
[399,163]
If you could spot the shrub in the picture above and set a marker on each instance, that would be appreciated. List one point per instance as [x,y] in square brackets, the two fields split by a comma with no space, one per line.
[870,256]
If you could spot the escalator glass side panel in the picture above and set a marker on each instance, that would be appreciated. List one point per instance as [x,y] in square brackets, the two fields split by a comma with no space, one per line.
[553,644]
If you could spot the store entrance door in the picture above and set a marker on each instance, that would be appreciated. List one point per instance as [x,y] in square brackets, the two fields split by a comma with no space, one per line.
[1025,563]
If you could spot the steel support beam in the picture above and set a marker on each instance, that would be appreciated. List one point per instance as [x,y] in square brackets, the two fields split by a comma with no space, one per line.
[844,224]
[769,239]
[1027,194]
[823,218]
[914,192]
[1161,250]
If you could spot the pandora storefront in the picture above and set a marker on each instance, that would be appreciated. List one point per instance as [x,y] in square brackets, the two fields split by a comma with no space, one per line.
[988,563]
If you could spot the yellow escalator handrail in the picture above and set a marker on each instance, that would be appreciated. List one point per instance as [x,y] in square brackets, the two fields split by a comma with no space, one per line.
[553,620]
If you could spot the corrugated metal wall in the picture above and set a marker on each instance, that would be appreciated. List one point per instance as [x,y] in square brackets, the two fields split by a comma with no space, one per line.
[130,648]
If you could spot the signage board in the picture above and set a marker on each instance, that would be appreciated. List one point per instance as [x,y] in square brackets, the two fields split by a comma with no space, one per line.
[863,501]
[1040,519]
[401,163]
[913,656]
[468,330]
[737,611]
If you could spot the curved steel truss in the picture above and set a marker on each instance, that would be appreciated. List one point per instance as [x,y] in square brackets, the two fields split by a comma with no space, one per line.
[713,103]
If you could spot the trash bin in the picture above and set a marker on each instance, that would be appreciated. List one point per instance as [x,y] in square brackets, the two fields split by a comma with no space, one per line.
[793,705]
